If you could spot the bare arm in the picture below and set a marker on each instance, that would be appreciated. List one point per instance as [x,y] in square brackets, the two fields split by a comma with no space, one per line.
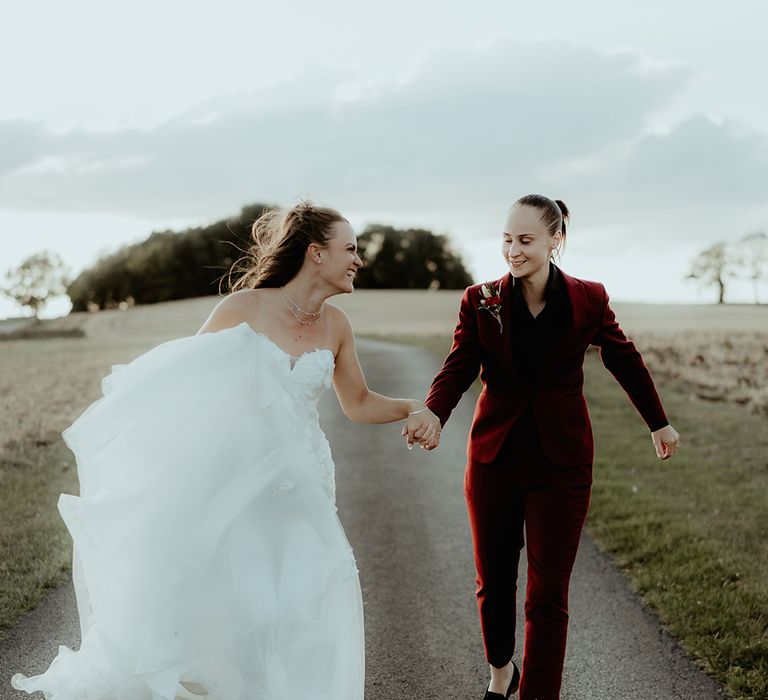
[357,401]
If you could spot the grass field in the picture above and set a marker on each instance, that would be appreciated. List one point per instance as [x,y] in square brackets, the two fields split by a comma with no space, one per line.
[689,533]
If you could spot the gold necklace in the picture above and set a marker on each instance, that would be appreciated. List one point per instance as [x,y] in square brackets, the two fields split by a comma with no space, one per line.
[295,309]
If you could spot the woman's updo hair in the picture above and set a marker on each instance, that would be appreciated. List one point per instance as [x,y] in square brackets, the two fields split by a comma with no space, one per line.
[554,213]
[280,240]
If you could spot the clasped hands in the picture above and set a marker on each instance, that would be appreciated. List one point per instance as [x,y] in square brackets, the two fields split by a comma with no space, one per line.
[422,427]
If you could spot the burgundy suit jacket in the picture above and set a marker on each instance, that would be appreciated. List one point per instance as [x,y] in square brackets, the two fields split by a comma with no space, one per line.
[558,402]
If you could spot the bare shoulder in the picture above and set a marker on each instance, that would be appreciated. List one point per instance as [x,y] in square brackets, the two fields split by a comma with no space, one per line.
[340,325]
[336,315]
[232,310]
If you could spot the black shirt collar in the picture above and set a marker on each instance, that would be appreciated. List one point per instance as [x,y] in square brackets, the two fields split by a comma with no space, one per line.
[554,283]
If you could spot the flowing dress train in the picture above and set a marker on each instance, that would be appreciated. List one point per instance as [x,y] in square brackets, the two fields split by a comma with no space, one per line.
[207,545]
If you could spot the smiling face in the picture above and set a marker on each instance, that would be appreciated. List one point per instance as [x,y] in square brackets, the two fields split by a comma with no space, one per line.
[527,244]
[339,258]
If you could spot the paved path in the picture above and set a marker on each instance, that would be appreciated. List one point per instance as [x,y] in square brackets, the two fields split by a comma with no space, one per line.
[404,515]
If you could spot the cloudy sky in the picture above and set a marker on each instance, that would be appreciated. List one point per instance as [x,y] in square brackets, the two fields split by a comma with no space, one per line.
[650,121]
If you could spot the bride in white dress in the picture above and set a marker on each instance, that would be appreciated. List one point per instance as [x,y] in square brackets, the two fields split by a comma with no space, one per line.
[209,560]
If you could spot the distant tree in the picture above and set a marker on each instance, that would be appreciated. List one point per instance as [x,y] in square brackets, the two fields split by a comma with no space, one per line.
[752,257]
[712,266]
[38,278]
[167,265]
[408,259]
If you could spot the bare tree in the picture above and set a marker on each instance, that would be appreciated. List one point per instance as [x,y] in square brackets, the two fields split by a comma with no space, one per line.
[712,266]
[37,279]
[753,257]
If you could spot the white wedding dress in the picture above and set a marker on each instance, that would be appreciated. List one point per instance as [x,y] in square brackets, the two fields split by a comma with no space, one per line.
[207,547]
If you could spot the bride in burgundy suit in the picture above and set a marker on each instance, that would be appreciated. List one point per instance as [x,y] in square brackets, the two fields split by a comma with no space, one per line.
[530,448]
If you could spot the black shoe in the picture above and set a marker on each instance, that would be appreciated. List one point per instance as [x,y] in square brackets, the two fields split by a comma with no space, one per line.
[514,684]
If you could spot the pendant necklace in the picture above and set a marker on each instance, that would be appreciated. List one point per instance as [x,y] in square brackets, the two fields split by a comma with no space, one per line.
[295,309]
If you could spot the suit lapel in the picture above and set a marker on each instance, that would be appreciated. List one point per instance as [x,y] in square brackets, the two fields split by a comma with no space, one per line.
[506,337]
[578,301]
[577,296]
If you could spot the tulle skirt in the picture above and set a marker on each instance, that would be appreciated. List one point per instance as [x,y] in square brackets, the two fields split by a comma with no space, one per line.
[207,546]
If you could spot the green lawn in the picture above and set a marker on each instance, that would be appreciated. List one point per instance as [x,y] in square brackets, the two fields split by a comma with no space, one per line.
[690,532]
[35,547]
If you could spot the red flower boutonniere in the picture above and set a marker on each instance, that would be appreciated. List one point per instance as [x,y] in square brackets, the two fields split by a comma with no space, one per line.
[490,300]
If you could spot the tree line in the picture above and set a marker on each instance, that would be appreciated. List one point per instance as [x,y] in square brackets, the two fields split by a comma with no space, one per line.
[172,265]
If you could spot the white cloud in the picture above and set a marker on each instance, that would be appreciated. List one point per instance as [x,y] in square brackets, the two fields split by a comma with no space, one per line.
[21,142]
[698,183]
[450,145]
[468,123]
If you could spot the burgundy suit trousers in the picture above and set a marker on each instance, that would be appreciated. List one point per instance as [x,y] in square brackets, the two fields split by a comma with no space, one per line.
[522,498]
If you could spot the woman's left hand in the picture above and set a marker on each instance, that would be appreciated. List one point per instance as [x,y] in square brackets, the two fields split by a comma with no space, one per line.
[423,427]
[666,440]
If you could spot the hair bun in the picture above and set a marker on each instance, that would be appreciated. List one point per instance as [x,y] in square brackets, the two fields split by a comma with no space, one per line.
[554,212]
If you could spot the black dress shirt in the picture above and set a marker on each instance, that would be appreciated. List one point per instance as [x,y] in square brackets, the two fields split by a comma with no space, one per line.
[533,340]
